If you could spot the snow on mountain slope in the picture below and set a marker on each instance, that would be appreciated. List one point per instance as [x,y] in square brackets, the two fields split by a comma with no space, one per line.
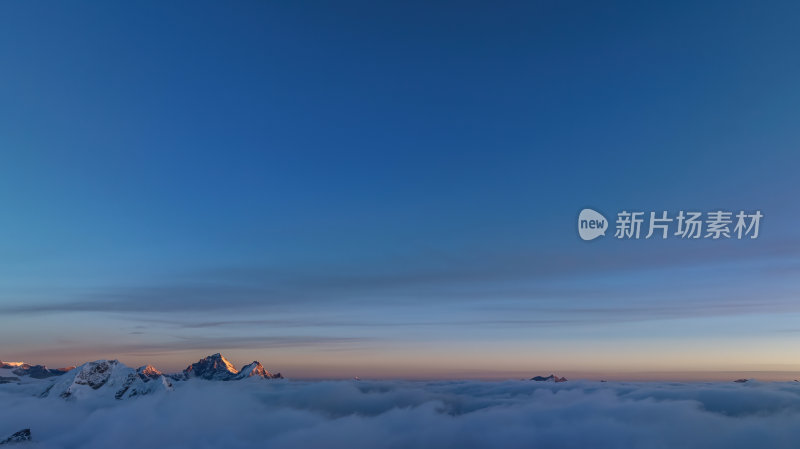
[148,372]
[39,371]
[213,367]
[10,364]
[111,379]
[217,367]
[18,437]
[255,369]
[105,379]
[23,373]
[9,376]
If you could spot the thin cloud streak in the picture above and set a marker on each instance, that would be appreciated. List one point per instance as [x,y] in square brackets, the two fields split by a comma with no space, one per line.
[177,344]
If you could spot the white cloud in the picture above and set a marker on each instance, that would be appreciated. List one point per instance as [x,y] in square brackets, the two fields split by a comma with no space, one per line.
[385,414]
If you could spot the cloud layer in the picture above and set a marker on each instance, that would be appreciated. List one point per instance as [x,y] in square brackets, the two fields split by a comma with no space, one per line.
[366,414]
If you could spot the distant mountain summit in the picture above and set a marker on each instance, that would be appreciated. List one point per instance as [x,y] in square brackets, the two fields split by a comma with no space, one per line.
[148,372]
[34,371]
[217,367]
[550,378]
[255,369]
[213,367]
[40,371]
[9,365]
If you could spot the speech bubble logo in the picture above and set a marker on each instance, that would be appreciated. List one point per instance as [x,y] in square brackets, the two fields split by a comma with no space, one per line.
[591,224]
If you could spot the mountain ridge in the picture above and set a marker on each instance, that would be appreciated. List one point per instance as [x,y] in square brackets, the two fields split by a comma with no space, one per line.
[217,367]
[113,379]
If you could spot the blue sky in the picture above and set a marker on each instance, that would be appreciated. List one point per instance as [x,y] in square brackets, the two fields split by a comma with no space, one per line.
[391,189]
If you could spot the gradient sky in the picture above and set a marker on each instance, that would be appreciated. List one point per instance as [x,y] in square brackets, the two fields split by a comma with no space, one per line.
[373,189]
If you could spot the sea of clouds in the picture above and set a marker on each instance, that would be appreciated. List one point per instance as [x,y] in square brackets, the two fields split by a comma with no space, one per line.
[394,414]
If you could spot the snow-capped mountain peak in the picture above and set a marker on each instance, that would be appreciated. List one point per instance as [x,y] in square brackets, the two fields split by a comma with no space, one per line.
[10,364]
[253,369]
[213,367]
[111,379]
[106,378]
[32,371]
[256,369]
[217,367]
[148,372]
